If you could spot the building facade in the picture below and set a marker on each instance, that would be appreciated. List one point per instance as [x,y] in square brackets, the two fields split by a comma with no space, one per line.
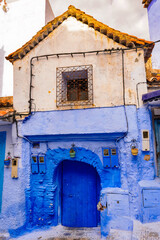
[84,136]
[153,71]
[153,7]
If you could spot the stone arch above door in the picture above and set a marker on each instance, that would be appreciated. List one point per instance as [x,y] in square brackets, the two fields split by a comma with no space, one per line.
[56,156]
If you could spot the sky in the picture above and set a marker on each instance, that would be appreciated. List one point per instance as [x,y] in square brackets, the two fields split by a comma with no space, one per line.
[125,15]
[128,16]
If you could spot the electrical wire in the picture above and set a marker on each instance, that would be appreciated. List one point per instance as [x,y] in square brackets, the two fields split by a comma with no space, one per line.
[124,99]
[106,51]
[138,91]
[21,136]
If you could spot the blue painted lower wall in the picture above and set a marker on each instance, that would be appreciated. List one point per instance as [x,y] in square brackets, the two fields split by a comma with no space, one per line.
[42,196]
[2,156]
[90,130]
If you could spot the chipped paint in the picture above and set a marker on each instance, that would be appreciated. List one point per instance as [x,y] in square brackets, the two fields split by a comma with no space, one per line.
[106,68]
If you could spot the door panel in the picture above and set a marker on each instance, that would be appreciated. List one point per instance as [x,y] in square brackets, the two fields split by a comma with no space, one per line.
[80,194]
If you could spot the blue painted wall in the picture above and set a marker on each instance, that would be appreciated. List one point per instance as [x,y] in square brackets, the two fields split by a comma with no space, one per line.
[2,157]
[42,196]
[83,121]
[13,197]
[57,130]
[154,20]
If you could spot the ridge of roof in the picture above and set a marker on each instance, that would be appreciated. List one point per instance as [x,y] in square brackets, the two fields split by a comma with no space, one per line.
[119,37]
[146,3]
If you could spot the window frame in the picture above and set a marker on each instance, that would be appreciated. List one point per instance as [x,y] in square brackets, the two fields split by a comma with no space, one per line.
[61,85]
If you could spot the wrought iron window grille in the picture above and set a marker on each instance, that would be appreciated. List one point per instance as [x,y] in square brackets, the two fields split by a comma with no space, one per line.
[74,86]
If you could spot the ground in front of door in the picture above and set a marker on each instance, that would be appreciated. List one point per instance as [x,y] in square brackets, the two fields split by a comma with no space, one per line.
[63,233]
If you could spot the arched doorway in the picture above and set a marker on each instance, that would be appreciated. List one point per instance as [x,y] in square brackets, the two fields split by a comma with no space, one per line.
[44,197]
[80,190]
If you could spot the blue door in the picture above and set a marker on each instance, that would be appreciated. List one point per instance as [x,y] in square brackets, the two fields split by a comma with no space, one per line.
[80,195]
[2,157]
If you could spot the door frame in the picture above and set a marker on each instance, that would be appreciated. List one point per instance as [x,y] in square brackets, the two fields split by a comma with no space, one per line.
[60,192]
[155,118]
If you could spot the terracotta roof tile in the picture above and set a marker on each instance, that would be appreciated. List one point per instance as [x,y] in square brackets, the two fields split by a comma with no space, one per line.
[154,77]
[146,3]
[3,112]
[6,105]
[6,101]
[120,37]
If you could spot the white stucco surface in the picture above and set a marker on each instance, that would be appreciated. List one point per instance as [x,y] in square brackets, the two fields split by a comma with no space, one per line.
[18,25]
[74,36]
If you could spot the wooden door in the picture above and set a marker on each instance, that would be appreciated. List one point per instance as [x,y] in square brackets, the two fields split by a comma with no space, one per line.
[80,194]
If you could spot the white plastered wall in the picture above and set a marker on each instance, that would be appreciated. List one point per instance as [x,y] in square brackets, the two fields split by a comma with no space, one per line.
[74,36]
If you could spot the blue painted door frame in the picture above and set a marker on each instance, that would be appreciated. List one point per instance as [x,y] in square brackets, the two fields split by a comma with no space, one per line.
[157,134]
[2,157]
[80,195]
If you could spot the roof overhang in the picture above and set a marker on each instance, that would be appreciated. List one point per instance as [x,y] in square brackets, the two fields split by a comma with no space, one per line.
[151,96]
[6,109]
[2,123]
[122,38]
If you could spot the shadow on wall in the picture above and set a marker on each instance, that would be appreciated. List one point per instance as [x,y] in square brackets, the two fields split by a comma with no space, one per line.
[2,54]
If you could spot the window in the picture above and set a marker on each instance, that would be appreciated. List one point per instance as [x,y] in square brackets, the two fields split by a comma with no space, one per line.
[77,90]
[74,86]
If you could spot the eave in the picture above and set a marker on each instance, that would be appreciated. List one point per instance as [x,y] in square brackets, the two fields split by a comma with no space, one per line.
[117,36]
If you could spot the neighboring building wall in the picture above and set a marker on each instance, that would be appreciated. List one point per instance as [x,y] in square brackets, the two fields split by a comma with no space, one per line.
[11,198]
[154,20]
[16,29]
[12,213]
[74,36]
[9,146]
